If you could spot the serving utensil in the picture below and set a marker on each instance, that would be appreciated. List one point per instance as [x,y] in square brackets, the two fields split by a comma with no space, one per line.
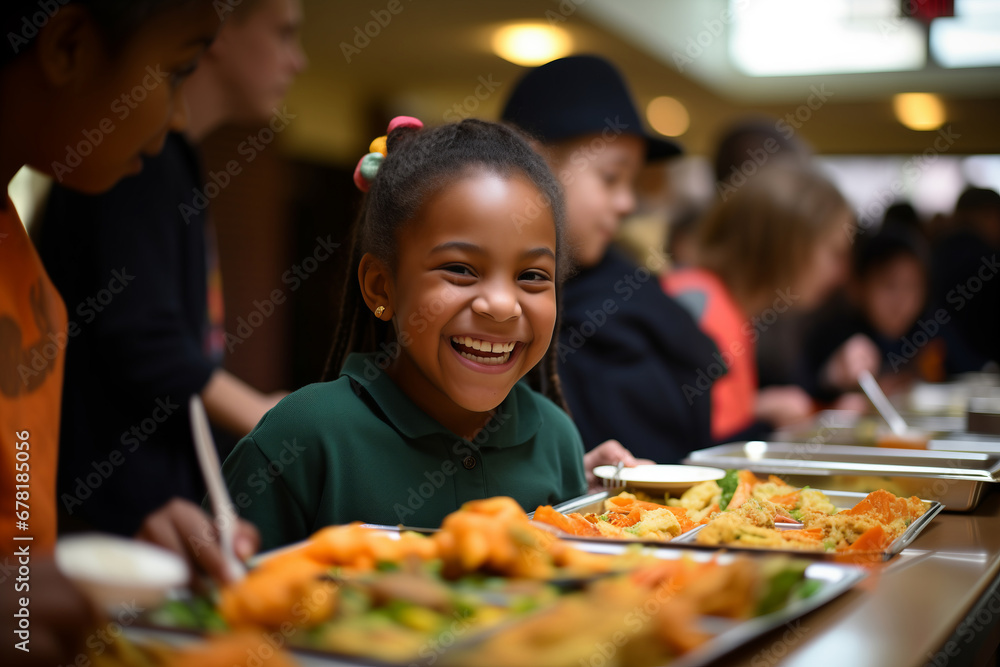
[881,402]
[222,505]
[615,481]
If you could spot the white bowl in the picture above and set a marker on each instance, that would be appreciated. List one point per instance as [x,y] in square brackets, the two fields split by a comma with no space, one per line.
[114,570]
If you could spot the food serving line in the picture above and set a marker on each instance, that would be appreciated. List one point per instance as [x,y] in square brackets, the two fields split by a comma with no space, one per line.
[937,602]
[931,596]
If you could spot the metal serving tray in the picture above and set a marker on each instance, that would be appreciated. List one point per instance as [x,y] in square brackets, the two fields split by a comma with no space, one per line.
[966,442]
[594,502]
[956,479]
[841,499]
[832,580]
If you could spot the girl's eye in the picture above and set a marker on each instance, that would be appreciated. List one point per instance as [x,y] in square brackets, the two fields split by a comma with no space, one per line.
[535,276]
[457,269]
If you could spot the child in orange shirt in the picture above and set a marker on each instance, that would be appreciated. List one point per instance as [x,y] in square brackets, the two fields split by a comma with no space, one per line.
[65,74]
[779,242]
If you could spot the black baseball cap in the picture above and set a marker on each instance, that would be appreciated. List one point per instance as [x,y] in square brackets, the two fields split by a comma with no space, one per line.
[579,95]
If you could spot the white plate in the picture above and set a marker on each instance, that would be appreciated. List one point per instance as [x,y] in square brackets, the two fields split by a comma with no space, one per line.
[662,477]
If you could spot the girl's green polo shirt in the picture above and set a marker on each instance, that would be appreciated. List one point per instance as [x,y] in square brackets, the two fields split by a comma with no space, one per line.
[358,449]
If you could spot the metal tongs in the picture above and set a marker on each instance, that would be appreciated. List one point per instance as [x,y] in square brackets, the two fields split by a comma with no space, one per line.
[881,403]
[222,505]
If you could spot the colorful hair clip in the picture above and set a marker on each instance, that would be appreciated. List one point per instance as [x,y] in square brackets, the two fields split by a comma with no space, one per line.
[368,165]
[365,172]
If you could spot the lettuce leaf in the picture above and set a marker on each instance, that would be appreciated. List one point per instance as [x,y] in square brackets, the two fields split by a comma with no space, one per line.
[728,485]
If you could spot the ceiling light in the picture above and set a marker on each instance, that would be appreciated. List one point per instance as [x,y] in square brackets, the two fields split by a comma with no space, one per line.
[668,116]
[531,44]
[919,111]
[970,39]
[807,38]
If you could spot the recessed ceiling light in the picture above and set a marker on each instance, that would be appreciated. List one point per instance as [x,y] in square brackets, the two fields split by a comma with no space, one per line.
[531,44]
[668,116]
[919,111]
[807,38]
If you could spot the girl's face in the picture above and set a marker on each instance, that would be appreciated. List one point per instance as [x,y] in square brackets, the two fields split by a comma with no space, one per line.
[893,296]
[598,178]
[108,111]
[827,266]
[473,298]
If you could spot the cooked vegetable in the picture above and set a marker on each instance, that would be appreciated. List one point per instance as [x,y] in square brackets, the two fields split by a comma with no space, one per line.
[488,566]
[728,485]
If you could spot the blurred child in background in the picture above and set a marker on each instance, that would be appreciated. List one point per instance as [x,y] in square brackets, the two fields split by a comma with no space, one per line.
[625,349]
[881,330]
[777,243]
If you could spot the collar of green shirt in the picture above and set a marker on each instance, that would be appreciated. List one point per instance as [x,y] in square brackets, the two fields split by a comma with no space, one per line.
[516,421]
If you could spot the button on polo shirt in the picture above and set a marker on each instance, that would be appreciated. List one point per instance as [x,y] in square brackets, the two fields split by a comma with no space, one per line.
[358,449]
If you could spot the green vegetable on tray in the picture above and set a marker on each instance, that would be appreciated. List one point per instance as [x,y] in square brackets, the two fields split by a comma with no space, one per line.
[728,485]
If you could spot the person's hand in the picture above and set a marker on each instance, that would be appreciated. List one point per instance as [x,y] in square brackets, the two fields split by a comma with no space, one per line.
[783,406]
[853,401]
[858,353]
[608,453]
[61,618]
[184,528]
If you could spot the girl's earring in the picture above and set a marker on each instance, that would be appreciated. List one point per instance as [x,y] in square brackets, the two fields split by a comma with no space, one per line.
[379,311]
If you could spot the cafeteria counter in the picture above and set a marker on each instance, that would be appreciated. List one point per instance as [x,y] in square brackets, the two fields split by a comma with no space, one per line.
[936,603]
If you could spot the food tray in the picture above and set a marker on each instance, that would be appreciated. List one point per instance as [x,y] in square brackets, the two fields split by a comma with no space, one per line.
[833,580]
[958,480]
[841,499]
[594,502]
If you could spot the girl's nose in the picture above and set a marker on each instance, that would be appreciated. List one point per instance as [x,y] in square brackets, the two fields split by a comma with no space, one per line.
[499,303]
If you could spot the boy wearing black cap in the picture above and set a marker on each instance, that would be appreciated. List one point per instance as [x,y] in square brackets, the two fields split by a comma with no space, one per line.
[626,349]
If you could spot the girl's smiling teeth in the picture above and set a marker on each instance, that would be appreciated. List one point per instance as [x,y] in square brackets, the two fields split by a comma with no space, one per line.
[483,351]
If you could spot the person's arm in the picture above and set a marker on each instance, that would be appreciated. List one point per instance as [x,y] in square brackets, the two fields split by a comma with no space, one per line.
[233,404]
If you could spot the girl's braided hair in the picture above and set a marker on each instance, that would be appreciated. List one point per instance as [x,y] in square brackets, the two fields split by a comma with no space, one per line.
[419,163]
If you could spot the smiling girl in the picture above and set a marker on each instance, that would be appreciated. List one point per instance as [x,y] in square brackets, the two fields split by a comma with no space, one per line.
[458,261]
